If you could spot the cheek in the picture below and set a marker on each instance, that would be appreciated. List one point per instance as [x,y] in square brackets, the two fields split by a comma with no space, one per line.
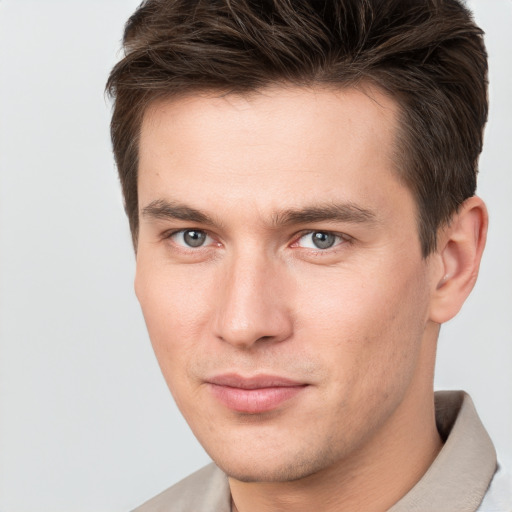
[175,313]
[365,323]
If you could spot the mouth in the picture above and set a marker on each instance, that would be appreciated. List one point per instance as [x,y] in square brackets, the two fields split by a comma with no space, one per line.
[253,395]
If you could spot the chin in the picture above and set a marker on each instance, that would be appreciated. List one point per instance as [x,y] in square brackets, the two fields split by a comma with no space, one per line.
[247,469]
[267,474]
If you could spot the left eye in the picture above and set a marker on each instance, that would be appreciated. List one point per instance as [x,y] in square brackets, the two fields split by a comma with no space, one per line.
[191,238]
[319,240]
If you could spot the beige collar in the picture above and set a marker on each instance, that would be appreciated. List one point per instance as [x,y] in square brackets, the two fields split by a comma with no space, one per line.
[460,475]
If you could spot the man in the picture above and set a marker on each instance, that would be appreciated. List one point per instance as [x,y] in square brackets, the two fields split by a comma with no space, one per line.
[299,178]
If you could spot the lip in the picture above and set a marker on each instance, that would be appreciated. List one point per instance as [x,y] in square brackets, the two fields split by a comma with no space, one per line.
[255,394]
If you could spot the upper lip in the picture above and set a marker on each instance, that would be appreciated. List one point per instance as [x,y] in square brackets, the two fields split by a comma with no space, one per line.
[234,380]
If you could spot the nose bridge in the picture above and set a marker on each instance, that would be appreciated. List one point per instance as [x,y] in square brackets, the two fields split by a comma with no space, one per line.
[253,305]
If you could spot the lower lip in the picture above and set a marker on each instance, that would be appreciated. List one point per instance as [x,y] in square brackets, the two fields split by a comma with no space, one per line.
[254,401]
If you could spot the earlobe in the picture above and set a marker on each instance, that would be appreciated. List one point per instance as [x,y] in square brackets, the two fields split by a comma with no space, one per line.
[459,252]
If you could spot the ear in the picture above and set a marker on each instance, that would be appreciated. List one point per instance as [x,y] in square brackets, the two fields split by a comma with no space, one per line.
[459,251]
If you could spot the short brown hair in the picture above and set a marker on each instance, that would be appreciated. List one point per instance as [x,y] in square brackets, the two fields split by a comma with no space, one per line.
[427,54]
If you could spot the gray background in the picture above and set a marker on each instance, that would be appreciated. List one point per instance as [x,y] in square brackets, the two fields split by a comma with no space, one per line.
[86,422]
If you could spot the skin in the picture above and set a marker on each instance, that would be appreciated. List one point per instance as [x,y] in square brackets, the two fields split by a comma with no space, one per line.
[355,324]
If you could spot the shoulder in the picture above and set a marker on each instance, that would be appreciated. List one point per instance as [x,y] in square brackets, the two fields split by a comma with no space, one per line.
[202,491]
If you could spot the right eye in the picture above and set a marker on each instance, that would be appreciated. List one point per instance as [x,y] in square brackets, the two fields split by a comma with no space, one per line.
[191,238]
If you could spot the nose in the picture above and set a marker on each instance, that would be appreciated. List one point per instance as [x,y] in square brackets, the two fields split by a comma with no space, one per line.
[253,306]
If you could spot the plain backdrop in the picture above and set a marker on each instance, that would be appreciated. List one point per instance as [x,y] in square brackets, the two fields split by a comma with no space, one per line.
[86,421]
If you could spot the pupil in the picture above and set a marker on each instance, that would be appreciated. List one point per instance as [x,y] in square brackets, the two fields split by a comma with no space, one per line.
[194,238]
[323,240]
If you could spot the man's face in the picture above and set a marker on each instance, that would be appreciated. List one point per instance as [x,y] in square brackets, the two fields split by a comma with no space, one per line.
[280,275]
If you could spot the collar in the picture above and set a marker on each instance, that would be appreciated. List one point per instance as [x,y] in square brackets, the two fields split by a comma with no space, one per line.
[461,473]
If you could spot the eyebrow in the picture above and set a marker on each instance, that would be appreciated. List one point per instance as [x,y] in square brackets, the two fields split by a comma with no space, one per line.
[162,209]
[344,212]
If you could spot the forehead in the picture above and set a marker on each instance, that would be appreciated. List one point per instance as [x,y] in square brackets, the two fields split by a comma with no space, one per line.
[271,148]
[288,113]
